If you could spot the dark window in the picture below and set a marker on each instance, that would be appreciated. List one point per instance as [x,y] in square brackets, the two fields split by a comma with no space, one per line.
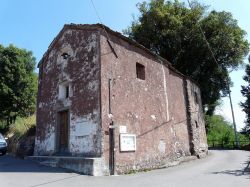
[196,124]
[67,91]
[65,55]
[196,97]
[140,71]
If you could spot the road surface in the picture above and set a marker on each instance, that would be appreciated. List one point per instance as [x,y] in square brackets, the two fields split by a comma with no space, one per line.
[229,168]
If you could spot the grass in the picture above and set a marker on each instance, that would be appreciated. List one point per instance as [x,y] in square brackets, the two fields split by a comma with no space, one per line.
[22,126]
[18,133]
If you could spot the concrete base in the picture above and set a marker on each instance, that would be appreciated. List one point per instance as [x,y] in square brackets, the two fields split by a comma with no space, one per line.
[86,166]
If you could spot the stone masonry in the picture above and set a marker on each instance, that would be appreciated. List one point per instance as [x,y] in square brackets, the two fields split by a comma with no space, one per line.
[116,93]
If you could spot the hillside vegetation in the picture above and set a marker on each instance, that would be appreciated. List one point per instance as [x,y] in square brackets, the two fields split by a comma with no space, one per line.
[220,133]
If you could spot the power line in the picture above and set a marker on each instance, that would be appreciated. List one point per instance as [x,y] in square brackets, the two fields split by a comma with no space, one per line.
[205,38]
[227,80]
[99,18]
[110,80]
[107,35]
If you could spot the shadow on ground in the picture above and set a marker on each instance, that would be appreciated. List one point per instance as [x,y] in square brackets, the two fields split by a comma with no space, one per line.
[240,172]
[10,164]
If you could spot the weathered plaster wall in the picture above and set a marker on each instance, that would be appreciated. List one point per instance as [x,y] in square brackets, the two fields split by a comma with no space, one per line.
[81,70]
[197,131]
[154,109]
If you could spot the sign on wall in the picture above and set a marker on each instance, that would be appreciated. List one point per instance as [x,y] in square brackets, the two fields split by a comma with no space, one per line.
[123,129]
[84,128]
[127,142]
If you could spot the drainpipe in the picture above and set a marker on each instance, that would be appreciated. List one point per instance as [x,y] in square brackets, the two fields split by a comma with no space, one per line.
[111,136]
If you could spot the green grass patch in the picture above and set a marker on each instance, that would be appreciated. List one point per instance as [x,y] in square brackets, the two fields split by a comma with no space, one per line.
[22,126]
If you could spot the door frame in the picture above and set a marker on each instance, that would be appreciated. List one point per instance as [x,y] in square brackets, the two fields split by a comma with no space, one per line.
[57,143]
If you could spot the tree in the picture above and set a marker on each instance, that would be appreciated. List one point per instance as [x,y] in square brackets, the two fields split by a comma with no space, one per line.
[172,30]
[220,130]
[18,83]
[245,90]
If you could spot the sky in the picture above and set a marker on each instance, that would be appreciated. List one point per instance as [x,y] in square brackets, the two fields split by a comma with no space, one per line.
[240,11]
[33,24]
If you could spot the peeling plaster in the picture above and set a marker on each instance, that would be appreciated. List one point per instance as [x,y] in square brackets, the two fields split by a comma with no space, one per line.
[144,106]
[84,129]
[46,146]
[153,117]
[82,104]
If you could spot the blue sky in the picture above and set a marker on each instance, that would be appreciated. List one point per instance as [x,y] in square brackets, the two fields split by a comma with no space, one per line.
[240,11]
[33,25]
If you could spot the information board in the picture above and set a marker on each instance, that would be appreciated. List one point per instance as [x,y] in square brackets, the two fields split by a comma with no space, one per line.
[127,142]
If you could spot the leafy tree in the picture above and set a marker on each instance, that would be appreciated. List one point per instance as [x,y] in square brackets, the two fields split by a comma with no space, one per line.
[245,90]
[18,83]
[172,30]
[219,130]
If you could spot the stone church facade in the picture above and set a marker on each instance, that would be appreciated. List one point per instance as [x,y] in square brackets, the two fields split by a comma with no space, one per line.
[114,106]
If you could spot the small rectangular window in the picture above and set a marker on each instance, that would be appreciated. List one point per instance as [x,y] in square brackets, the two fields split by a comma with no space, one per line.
[64,90]
[140,71]
[67,91]
[196,124]
[196,97]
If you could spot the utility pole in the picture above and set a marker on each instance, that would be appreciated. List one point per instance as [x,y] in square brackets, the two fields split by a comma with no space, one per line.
[232,110]
[227,82]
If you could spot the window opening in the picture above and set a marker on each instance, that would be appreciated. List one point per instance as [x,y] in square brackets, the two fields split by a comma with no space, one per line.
[196,124]
[196,97]
[65,55]
[140,71]
[67,91]
[64,91]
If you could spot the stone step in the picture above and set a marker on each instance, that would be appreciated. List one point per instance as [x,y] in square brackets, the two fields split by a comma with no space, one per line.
[49,163]
[83,165]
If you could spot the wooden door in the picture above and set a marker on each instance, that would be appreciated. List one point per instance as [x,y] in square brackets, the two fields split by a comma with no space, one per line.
[63,131]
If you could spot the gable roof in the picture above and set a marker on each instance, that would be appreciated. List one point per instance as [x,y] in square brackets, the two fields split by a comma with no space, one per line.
[101,27]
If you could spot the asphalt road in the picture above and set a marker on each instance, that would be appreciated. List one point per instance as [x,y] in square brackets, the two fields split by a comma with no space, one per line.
[220,168]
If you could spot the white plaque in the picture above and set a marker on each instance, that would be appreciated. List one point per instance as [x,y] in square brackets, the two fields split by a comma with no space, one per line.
[127,142]
[123,129]
[84,128]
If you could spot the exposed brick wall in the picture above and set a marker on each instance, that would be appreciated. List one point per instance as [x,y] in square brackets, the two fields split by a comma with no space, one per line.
[82,71]
[154,109]
[163,110]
